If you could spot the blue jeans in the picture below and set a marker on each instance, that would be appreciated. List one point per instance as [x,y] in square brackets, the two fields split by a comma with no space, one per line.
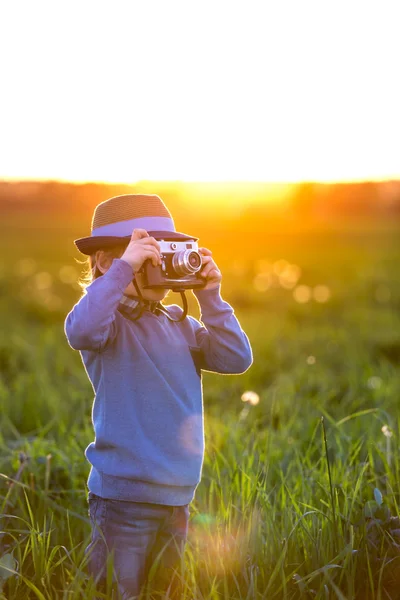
[139,535]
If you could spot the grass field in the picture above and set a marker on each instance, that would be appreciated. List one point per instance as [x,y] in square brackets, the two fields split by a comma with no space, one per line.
[281,512]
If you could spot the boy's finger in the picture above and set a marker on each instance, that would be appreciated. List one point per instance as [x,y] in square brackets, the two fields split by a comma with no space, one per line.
[151,254]
[148,248]
[205,251]
[138,234]
[153,242]
[149,241]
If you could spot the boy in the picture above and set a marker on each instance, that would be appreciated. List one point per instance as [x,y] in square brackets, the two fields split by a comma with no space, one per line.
[145,368]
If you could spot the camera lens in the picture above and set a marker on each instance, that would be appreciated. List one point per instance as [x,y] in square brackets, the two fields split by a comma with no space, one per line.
[195,260]
[186,262]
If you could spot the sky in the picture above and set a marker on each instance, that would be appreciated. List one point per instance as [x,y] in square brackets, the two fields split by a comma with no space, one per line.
[199,90]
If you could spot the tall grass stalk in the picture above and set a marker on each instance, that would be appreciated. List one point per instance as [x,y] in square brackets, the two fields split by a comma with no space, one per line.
[333,503]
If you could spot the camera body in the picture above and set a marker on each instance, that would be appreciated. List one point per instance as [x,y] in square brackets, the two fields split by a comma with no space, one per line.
[180,267]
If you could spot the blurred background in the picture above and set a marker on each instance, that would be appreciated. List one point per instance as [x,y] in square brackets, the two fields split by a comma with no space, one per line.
[271,132]
[300,243]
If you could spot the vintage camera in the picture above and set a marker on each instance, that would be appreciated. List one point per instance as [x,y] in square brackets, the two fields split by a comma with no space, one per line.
[179,269]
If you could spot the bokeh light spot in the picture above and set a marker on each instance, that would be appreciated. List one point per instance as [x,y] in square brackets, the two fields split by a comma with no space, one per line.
[321,293]
[43,280]
[26,267]
[262,282]
[68,274]
[302,294]
[263,266]
[280,266]
[290,276]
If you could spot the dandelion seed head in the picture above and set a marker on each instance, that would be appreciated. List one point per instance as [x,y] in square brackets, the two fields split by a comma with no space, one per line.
[251,397]
[387,432]
[374,382]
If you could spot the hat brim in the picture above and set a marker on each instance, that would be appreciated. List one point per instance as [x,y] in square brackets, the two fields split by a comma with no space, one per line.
[89,245]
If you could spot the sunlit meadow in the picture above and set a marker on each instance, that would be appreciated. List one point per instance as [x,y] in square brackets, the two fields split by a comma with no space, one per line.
[300,489]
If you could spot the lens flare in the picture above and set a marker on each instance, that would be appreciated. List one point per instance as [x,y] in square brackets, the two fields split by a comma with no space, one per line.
[220,549]
[190,434]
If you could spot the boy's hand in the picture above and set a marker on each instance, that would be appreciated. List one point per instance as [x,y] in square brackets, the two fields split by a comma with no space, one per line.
[140,248]
[209,271]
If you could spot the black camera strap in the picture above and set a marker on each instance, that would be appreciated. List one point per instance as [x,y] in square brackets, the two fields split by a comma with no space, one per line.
[160,307]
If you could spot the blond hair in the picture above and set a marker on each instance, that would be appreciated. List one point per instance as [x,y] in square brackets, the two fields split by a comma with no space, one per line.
[91,271]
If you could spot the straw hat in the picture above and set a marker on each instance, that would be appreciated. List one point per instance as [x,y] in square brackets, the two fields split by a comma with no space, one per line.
[115,219]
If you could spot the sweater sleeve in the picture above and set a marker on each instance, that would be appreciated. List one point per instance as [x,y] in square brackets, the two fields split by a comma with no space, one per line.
[91,322]
[225,346]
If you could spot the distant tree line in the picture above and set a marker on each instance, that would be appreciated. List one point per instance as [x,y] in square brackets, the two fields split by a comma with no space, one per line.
[244,201]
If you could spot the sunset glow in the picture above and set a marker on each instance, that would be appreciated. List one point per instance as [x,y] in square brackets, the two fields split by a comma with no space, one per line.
[263,91]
